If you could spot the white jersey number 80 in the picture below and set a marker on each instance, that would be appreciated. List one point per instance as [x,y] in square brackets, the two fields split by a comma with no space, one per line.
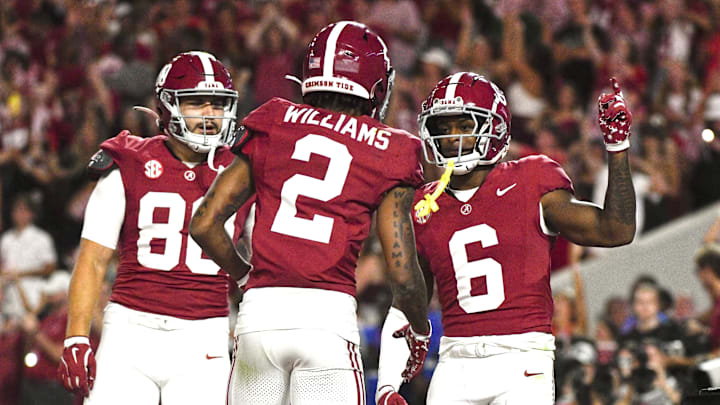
[172,233]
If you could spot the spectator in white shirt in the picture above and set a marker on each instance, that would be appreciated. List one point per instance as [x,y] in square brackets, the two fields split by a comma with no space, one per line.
[27,255]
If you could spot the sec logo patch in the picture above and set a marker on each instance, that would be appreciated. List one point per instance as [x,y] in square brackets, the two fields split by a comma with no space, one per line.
[153,169]
[421,219]
[189,175]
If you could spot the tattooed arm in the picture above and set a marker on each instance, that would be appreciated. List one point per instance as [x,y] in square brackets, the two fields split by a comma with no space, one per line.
[231,188]
[589,225]
[395,230]
[614,224]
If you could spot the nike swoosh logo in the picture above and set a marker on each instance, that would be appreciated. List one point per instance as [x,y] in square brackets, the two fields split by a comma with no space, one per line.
[74,352]
[531,374]
[209,357]
[502,192]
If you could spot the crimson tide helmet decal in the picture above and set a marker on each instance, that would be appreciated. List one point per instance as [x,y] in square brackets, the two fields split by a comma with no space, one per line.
[348,57]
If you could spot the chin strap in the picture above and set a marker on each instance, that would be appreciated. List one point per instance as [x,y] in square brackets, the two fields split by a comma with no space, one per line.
[211,154]
[211,161]
[429,204]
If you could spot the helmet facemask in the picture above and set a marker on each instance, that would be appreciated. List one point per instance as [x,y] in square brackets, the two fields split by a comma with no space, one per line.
[177,126]
[488,132]
[201,143]
[381,106]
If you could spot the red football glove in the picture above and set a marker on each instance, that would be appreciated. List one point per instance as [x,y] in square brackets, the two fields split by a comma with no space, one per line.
[615,119]
[388,396]
[77,365]
[418,345]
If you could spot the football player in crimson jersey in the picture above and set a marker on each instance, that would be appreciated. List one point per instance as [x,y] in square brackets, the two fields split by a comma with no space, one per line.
[487,247]
[319,170]
[166,328]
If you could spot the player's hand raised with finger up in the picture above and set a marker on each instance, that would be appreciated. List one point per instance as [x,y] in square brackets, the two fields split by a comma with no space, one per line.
[614,118]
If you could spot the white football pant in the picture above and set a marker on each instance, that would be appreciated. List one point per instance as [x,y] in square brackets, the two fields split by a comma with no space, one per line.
[296,366]
[144,358]
[481,374]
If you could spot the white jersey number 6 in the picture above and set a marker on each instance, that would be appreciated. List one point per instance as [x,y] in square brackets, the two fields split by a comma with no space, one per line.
[466,271]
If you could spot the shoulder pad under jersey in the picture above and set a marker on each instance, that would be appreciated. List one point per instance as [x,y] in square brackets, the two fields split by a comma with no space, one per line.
[242,135]
[100,164]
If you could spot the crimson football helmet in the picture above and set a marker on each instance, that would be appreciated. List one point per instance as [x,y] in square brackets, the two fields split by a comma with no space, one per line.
[469,94]
[195,74]
[348,57]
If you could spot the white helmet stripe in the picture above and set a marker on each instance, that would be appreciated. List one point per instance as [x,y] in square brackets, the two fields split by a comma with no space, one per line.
[206,60]
[452,85]
[329,57]
[385,50]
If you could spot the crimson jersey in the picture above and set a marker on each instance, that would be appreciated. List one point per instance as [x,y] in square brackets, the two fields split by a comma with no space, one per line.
[319,176]
[490,256]
[162,270]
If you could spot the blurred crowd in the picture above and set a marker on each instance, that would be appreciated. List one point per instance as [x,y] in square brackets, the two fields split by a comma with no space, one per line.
[71,71]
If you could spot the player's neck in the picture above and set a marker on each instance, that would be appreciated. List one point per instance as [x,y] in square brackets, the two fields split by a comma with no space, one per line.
[471,180]
[183,153]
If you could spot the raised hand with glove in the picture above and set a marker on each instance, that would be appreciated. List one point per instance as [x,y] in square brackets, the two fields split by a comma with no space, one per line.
[614,118]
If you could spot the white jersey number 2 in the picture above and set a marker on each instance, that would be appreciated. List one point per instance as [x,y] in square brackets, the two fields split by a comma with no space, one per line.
[319,228]
[171,232]
[466,271]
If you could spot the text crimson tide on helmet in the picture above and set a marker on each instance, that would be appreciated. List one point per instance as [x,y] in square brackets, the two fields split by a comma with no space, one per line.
[469,94]
[348,57]
[195,74]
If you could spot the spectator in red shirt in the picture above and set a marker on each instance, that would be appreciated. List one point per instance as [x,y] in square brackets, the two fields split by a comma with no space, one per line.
[271,41]
[10,356]
[44,334]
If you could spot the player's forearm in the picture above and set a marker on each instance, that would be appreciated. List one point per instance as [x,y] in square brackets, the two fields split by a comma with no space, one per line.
[618,217]
[85,288]
[409,289]
[410,297]
[86,285]
[231,188]
[398,240]
[216,243]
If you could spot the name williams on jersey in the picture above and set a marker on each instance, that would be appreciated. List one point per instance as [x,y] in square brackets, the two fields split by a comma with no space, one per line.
[340,123]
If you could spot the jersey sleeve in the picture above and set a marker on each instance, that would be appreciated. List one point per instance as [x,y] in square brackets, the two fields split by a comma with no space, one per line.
[259,122]
[405,162]
[105,211]
[110,153]
[120,149]
[244,137]
[549,174]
